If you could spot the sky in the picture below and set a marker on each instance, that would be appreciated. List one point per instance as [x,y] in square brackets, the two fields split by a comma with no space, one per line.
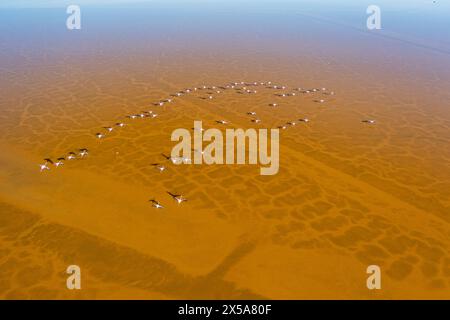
[392,4]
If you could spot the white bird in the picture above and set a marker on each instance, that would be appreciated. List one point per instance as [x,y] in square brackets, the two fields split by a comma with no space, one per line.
[83,152]
[120,124]
[369,121]
[108,128]
[273,104]
[222,121]
[304,120]
[252,113]
[71,156]
[159,167]
[256,120]
[99,135]
[177,197]
[45,166]
[156,204]
[175,160]
[59,162]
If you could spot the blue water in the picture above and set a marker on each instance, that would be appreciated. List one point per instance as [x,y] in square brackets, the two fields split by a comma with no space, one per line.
[40,25]
[424,19]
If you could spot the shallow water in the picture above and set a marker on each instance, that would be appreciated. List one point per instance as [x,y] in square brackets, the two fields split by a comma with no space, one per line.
[347,195]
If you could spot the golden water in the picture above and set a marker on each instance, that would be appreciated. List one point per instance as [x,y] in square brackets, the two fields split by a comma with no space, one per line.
[347,195]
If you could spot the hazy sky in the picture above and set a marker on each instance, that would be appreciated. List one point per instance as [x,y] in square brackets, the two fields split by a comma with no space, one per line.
[399,4]
[64,3]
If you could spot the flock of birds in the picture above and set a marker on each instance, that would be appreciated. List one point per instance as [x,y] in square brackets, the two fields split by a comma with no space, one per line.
[239,87]
[60,161]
